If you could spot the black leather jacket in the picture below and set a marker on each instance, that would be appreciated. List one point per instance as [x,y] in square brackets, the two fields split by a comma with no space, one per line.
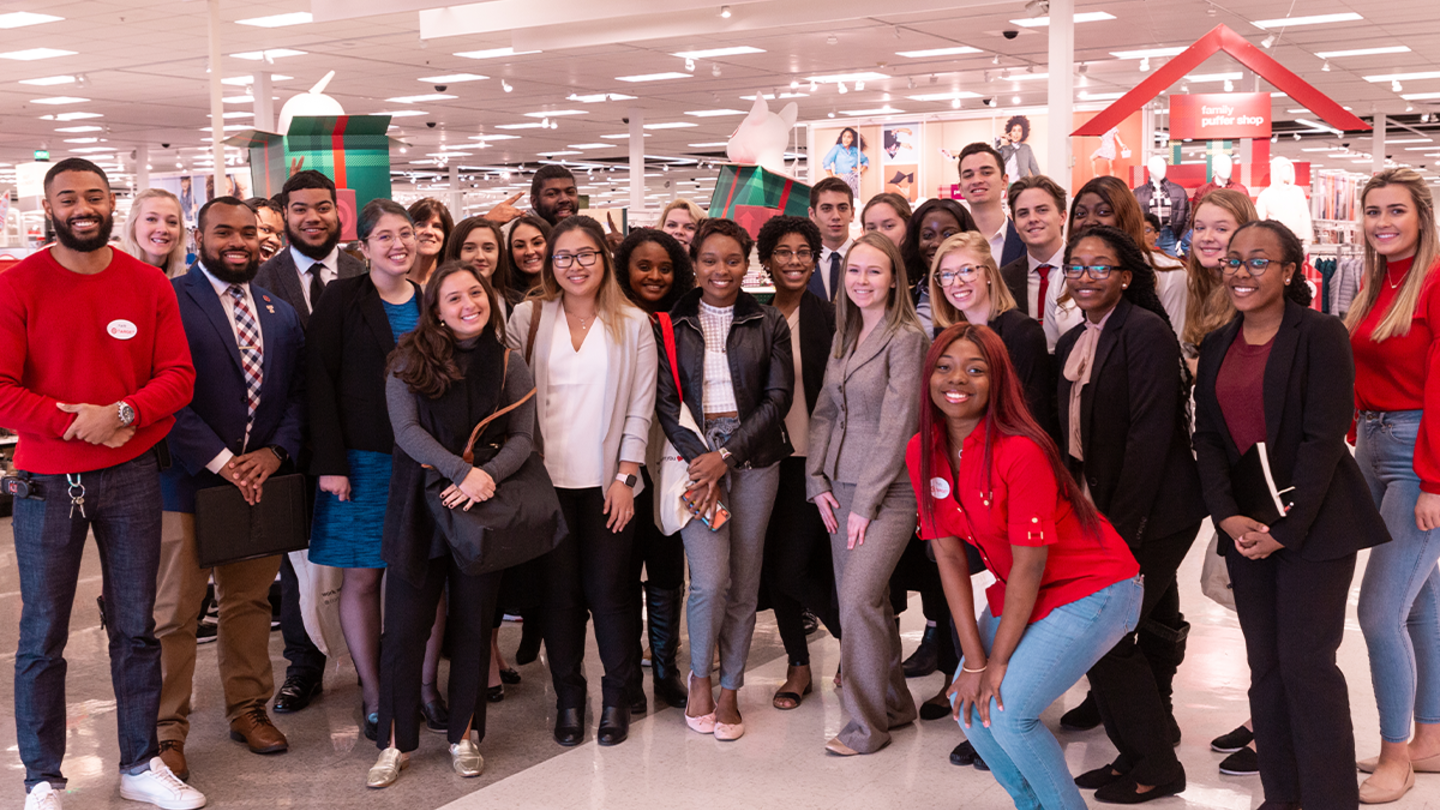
[761,368]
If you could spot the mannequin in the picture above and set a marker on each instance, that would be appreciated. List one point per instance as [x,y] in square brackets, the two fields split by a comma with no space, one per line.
[1285,202]
[1167,201]
[1221,170]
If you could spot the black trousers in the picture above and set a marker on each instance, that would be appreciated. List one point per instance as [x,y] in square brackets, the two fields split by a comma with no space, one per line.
[306,660]
[409,615]
[662,556]
[798,572]
[1124,684]
[589,575]
[1292,612]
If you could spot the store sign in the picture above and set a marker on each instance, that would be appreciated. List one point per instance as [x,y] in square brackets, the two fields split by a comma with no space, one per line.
[42,154]
[1219,116]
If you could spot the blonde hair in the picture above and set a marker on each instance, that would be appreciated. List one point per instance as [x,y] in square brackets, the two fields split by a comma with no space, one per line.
[611,303]
[942,311]
[1397,321]
[174,263]
[899,309]
[1207,304]
[694,210]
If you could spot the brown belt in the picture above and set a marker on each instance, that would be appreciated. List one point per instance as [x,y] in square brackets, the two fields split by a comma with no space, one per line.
[710,417]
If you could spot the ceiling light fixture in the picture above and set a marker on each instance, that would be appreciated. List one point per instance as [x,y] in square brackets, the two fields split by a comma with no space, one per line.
[59,100]
[49,81]
[1229,86]
[1145,65]
[715,69]
[671,125]
[1014,99]
[506,86]
[1083,17]
[713,113]
[31,54]
[20,19]
[71,116]
[690,65]
[841,87]
[1326,67]
[859,87]
[1268,42]
[1141,54]
[421,97]
[279,20]
[554,113]
[995,60]
[652,77]
[866,76]
[712,53]
[1318,19]
[832,40]
[270,55]
[1395,86]
[957,50]
[725,12]
[1364,51]
[452,78]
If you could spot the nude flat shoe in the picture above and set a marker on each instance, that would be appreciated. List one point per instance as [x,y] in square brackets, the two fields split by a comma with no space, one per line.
[840,749]
[1369,794]
[729,732]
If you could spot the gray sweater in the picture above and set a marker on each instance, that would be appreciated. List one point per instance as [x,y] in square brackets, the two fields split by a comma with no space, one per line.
[421,446]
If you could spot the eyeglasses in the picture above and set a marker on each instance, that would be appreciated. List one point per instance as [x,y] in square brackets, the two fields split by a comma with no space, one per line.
[586,258]
[966,274]
[784,256]
[1099,272]
[1256,267]
[385,240]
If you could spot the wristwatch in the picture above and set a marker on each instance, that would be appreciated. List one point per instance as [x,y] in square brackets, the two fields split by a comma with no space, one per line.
[127,414]
[627,480]
[280,453]
[725,454]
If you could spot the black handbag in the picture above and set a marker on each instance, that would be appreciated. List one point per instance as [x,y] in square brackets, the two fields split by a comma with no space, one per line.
[520,522]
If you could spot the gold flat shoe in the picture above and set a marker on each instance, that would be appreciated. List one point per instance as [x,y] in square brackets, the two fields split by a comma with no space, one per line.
[466,760]
[840,749]
[1369,794]
[387,768]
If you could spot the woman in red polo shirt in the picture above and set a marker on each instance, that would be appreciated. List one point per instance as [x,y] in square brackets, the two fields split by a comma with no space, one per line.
[1067,586]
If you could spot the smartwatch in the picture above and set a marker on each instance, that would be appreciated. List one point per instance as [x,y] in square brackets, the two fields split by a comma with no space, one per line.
[127,414]
[280,453]
[627,480]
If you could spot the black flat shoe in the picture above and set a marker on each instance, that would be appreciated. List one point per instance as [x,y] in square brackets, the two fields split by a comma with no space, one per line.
[1098,778]
[437,716]
[510,677]
[370,723]
[964,754]
[614,725]
[296,694]
[570,726]
[925,659]
[1233,741]
[936,708]
[495,694]
[1123,791]
[1083,717]
[1244,762]
[809,622]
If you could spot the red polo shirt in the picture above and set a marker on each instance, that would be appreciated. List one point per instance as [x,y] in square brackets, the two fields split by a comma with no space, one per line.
[1019,506]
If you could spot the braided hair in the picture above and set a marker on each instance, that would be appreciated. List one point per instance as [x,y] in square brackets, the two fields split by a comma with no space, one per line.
[1292,252]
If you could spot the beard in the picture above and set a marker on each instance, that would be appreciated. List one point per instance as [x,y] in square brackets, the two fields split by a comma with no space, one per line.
[66,236]
[551,213]
[217,267]
[316,252]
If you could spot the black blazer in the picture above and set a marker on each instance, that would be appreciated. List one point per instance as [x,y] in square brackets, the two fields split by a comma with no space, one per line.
[1024,339]
[1138,463]
[1016,275]
[1309,402]
[817,336]
[347,345]
[279,276]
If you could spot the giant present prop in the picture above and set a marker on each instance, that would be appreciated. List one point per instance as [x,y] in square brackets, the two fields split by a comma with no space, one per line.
[750,195]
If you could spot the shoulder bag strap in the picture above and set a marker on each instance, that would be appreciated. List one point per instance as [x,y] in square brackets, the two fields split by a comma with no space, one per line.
[469,454]
[667,333]
[534,330]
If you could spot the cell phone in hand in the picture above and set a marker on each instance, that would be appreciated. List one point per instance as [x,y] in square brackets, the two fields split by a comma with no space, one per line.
[714,519]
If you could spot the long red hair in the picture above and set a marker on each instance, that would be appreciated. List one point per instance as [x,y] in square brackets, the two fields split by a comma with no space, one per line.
[1006,414]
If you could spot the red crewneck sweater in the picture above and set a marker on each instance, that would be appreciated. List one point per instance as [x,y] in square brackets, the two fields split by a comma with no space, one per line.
[97,339]
[1402,372]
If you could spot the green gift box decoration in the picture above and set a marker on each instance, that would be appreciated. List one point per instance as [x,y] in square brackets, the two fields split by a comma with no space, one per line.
[742,189]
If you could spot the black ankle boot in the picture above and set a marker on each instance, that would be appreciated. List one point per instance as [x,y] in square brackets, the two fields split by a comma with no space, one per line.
[925,659]
[663,609]
[1164,648]
[614,725]
[570,726]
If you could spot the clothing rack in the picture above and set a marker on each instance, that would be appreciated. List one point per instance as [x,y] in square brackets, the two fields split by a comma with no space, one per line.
[1340,268]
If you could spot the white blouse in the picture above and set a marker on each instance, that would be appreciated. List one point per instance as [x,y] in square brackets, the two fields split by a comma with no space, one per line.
[718,395]
[571,416]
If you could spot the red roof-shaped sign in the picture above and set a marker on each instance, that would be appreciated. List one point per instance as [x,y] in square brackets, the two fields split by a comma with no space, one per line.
[1221,38]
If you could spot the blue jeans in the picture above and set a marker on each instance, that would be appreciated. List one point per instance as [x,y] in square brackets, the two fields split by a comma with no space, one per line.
[1400,594]
[122,506]
[1052,655]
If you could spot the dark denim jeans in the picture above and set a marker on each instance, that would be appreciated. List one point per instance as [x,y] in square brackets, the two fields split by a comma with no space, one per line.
[122,506]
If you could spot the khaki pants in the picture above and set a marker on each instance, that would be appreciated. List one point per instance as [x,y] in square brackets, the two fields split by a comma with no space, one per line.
[242,590]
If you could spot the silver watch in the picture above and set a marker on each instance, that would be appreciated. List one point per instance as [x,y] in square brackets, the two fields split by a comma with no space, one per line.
[127,414]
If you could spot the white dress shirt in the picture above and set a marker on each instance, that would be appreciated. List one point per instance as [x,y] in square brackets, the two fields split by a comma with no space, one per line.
[1059,318]
[222,290]
[571,419]
[327,275]
[1032,279]
[824,267]
[997,241]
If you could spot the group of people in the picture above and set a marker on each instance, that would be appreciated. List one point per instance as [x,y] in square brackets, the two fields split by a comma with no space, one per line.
[959,389]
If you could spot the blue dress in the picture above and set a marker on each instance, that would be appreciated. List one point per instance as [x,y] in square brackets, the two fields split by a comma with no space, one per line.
[347,535]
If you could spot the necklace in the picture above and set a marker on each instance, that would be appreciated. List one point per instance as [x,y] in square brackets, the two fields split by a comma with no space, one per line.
[1393,284]
[584,322]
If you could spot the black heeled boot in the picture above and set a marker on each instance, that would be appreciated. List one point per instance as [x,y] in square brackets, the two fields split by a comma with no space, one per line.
[925,659]
[1164,648]
[663,608]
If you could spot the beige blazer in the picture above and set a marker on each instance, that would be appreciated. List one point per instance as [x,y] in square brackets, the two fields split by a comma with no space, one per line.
[868,409]
[629,384]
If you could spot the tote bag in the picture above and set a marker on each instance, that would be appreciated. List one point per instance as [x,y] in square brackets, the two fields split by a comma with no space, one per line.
[672,471]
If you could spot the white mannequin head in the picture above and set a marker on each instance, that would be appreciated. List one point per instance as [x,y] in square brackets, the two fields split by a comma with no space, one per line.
[1157,166]
[1282,171]
[1221,167]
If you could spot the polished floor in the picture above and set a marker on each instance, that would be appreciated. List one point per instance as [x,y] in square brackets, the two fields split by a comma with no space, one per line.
[780,763]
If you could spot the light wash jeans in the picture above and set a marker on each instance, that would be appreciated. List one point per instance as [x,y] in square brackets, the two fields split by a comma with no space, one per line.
[1400,594]
[1054,652]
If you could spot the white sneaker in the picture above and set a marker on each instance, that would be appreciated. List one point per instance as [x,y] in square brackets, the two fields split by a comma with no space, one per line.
[43,797]
[161,787]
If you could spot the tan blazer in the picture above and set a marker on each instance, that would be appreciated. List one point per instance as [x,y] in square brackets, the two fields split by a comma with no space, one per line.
[629,383]
[868,409]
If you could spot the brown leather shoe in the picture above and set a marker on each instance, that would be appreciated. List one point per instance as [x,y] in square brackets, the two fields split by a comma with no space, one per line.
[172,753]
[255,730]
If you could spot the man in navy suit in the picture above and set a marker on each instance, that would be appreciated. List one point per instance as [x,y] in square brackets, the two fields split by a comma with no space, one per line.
[243,425]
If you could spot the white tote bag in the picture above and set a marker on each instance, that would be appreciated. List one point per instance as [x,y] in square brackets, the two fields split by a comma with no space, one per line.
[1215,575]
[320,603]
[671,470]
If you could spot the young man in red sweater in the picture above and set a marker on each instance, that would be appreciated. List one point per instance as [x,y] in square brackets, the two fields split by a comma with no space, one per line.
[93,366]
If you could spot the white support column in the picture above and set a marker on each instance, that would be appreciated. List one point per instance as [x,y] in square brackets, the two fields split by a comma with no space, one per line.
[637,163]
[264,102]
[1062,90]
[142,167]
[1377,144]
[217,106]
[457,194]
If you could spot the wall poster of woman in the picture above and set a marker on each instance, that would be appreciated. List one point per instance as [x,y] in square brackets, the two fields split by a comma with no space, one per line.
[847,159]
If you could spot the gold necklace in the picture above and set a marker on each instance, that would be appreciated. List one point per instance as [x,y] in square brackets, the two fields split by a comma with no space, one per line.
[584,322]
[1393,285]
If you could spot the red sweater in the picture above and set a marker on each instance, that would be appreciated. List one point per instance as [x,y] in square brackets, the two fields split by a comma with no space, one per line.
[1402,373]
[1019,506]
[96,339]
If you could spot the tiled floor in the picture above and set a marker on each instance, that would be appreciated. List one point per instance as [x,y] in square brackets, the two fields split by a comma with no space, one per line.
[780,763]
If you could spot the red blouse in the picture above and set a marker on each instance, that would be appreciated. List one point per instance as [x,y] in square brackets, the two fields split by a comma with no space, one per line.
[1240,387]
[1402,373]
[1021,506]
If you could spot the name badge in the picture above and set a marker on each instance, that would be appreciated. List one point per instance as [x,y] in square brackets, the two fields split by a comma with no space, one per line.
[939,488]
[121,329]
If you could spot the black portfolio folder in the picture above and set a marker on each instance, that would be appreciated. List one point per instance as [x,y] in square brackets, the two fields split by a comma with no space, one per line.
[227,529]
[1256,492]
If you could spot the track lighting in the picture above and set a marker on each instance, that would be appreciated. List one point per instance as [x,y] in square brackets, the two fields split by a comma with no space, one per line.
[690,65]
[725,12]
[841,87]
[1326,67]
[1268,41]
[1145,65]
[1229,86]
[859,87]
[506,86]
[1395,85]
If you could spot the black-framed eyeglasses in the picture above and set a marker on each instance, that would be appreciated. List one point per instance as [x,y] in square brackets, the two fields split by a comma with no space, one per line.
[1099,272]
[586,258]
[967,274]
[784,256]
[1256,267]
